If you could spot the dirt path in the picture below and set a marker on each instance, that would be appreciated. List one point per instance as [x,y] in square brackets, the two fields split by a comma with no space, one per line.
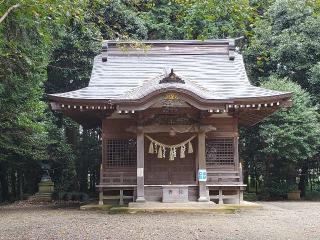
[277,220]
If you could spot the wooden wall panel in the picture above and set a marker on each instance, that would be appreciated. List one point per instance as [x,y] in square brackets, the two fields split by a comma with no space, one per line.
[222,124]
[116,128]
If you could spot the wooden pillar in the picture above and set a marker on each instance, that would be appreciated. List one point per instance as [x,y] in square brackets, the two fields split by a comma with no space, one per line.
[103,160]
[101,182]
[237,165]
[121,197]
[140,165]
[100,196]
[101,172]
[203,196]
[236,151]
[241,181]
[241,196]
[220,196]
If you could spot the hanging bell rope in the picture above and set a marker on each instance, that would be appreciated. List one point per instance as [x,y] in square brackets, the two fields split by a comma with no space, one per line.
[160,148]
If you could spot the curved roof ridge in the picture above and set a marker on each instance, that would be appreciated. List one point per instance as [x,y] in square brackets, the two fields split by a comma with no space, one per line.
[153,85]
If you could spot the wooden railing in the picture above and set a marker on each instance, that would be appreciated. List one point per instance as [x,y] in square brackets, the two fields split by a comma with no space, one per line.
[223,177]
[118,178]
[225,185]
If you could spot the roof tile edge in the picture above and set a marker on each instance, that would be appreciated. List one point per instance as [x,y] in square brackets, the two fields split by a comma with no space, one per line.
[168,47]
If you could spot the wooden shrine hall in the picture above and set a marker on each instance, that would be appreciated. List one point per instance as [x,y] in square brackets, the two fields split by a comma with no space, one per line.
[170,113]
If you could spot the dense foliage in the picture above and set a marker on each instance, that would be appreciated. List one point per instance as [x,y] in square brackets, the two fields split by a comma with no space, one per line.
[285,45]
[286,42]
[48,46]
[196,19]
[28,34]
[281,148]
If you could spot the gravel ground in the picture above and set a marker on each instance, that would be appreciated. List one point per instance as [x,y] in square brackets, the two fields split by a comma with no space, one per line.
[277,220]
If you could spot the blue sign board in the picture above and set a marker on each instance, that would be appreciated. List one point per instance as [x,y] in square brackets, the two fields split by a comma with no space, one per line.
[202,175]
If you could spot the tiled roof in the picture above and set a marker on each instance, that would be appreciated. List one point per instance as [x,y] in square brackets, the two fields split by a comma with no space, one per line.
[208,72]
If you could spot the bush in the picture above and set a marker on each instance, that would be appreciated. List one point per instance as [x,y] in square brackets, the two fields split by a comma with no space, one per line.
[75,196]
[67,196]
[70,196]
[274,191]
[55,196]
[84,197]
[247,196]
[25,196]
[312,195]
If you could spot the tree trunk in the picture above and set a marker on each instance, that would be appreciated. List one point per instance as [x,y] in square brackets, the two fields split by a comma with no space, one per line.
[13,184]
[20,184]
[4,183]
[303,180]
[71,134]
[267,172]
[256,179]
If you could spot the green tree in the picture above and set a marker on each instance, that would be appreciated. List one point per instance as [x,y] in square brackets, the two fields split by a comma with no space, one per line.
[61,158]
[163,19]
[217,19]
[118,19]
[28,31]
[183,19]
[286,42]
[288,139]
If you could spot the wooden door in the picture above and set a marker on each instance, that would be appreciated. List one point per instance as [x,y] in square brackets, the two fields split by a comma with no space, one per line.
[161,171]
[182,170]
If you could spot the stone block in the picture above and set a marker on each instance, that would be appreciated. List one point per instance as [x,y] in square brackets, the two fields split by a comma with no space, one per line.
[172,194]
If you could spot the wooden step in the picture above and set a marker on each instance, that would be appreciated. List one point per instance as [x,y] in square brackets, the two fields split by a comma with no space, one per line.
[116,197]
[223,180]
[222,172]
[224,196]
[226,184]
[224,177]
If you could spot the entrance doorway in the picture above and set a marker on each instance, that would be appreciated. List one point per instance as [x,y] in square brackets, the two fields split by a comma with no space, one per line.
[161,171]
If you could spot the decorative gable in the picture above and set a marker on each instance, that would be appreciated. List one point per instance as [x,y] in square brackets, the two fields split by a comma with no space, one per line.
[171,78]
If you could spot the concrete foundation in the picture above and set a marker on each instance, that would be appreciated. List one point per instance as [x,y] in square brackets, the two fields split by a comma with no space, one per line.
[150,207]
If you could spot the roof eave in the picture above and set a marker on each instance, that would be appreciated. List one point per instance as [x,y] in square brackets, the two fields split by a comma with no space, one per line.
[56,98]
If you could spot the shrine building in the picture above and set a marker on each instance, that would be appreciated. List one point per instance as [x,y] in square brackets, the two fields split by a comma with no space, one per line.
[170,113]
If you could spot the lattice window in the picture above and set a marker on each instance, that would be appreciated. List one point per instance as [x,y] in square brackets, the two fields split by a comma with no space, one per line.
[219,151]
[121,152]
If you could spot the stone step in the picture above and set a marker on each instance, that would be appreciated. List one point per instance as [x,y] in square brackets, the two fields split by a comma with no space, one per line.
[162,205]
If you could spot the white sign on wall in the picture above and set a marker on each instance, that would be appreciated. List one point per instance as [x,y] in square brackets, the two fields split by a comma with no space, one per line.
[202,175]
[139,172]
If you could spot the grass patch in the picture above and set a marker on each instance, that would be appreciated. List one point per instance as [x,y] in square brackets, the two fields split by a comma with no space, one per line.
[119,210]
[96,207]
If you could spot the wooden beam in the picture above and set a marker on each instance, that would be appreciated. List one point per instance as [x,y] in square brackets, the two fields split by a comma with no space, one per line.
[156,128]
